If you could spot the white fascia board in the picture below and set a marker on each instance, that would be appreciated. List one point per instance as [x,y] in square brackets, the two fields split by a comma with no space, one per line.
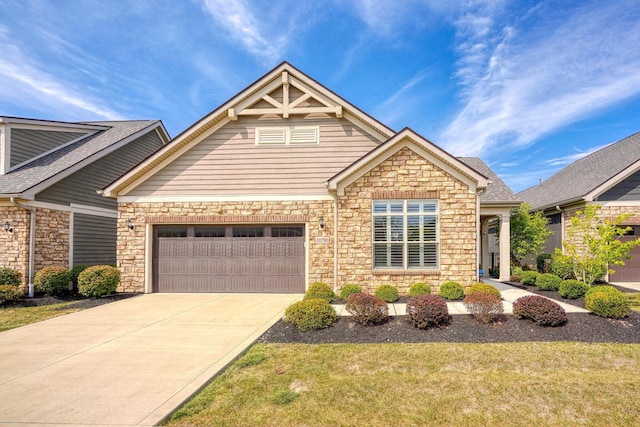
[612,182]
[75,208]
[245,198]
[21,123]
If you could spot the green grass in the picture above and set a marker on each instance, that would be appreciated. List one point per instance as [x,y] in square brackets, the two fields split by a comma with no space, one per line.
[515,384]
[634,301]
[15,317]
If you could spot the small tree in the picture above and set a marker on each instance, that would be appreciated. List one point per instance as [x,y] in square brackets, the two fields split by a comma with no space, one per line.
[529,232]
[593,244]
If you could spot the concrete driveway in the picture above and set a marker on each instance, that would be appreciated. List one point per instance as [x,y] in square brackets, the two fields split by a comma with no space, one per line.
[130,362]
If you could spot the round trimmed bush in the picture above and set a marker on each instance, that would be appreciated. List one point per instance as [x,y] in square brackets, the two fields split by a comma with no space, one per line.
[548,282]
[10,277]
[425,311]
[484,307]
[98,280]
[452,291]
[603,288]
[52,280]
[484,288]
[387,293]
[349,289]
[529,278]
[607,303]
[311,314]
[419,289]
[367,309]
[320,290]
[573,289]
[10,293]
[541,310]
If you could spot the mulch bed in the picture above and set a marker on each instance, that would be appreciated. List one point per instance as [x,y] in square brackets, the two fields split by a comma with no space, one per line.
[582,327]
[79,301]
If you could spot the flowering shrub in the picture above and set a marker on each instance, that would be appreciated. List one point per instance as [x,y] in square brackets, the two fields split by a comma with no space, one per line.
[541,310]
[311,314]
[483,306]
[367,309]
[452,291]
[419,289]
[485,288]
[573,289]
[387,293]
[348,290]
[548,282]
[424,311]
[320,290]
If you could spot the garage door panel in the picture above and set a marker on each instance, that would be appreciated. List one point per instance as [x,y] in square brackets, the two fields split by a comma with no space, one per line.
[229,264]
[630,271]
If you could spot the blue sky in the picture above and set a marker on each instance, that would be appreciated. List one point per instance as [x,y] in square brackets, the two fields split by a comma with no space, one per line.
[528,86]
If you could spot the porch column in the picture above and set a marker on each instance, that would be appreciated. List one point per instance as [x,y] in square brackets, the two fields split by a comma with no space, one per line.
[505,246]
[484,245]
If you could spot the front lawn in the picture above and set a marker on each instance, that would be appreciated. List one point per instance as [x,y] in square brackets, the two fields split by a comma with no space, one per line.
[634,301]
[527,384]
[14,317]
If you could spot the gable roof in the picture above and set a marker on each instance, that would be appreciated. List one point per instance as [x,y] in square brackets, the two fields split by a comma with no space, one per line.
[44,171]
[255,99]
[412,140]
[498,192]
[587,178]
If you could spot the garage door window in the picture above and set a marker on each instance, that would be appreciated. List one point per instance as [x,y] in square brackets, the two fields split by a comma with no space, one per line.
[287,231]
[209,231]
[248,231]
[172,231]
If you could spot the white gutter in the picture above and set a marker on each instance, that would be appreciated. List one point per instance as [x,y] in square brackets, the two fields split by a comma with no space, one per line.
[32,240]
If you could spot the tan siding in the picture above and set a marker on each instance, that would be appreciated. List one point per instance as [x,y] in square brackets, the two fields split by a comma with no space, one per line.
[229,163]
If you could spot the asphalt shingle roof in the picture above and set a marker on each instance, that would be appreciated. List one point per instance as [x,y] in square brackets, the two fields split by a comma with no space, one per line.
[585,175]
[497,190]
[43,168]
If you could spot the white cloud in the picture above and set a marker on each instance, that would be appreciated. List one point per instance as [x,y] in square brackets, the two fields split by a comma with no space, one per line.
[522,80]
[392,110]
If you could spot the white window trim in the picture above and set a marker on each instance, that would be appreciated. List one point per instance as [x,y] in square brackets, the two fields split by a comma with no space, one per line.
[405,242]
[287,135]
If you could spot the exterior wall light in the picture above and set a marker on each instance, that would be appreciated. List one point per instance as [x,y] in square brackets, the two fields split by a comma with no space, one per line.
[7,227]
[321,223]
[130,225]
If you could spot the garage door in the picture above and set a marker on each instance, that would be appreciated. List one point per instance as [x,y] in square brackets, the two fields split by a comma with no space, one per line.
[243,258]
[630,271]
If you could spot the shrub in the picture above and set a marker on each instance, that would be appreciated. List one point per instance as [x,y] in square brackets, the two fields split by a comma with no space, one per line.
[320,290]
[98,280]
[562,265]
[367,309]
[543,263]
[573,289]
[387,293]
[419,289]
[311,314]
[75,272]
[548,282]
[529,277]
[484,307]
[515,278]
[604,288]
[607,303]
[10,293]
[424,311]
[484,288]
[541,310]
[452,291]
[494,272]
[52,280]
[349,289]
[10,277]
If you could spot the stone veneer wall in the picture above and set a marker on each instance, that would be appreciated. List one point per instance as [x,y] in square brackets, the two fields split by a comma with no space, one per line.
[15,247]
[131,244]
[52,238]
[605,212]
[406,175]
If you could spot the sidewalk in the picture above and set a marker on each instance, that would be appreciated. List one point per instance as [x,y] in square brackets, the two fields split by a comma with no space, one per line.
[509,295]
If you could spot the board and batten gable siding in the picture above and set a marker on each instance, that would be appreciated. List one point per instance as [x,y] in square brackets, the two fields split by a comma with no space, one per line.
[29,143]
[625,191]
[80,187]
[94,239]
[228,162]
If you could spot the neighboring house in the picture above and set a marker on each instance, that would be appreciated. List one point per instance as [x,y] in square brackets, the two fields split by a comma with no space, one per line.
[287,184]
[609,177]
[50,175]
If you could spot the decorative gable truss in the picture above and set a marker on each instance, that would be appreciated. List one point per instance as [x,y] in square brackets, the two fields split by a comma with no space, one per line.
[285,97]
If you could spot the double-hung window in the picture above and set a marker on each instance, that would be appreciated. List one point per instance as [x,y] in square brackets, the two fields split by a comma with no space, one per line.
[405,234]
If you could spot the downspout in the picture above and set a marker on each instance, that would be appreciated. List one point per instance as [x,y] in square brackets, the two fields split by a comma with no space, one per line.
[32,240]
[335,242]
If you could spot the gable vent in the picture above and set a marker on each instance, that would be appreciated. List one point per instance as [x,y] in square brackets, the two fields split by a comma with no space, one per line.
[288,135]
